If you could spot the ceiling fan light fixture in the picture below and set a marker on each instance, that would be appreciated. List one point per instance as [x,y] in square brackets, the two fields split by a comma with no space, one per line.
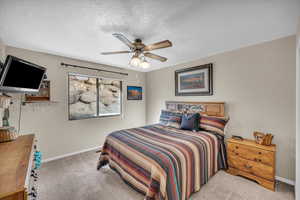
[140,51]
[144,64]
[135,61]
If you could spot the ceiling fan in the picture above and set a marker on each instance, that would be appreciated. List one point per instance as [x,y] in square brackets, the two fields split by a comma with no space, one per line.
[140,50]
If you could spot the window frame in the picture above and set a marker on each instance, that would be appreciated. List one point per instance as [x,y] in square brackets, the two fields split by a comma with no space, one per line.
[98,97]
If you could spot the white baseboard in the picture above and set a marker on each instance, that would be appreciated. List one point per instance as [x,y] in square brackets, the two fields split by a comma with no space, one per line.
[69,154]
[285,180]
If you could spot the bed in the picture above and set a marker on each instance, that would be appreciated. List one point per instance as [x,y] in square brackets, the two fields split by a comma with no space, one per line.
[163,162]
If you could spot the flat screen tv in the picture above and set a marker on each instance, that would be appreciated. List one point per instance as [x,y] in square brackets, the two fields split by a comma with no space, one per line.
[20,76]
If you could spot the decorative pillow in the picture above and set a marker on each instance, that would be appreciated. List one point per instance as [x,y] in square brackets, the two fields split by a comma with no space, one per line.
[174,121]
[190,122]
[166,115]
[214,124]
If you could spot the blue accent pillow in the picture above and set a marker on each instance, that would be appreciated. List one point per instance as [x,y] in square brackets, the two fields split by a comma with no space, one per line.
[190,122]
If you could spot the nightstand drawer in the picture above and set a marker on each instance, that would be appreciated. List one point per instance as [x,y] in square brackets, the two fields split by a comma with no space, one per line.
[251,167]
[251,153]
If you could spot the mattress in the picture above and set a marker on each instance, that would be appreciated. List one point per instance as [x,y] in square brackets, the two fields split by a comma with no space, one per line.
[162,162]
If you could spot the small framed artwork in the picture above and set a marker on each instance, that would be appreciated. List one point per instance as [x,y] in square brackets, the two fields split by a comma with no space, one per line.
[194,81]
[42,95]
[134,93]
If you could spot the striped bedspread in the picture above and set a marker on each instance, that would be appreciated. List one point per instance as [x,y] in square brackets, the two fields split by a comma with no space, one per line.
[162,162]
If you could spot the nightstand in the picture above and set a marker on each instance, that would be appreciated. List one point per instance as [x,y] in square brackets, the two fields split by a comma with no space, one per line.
[254,161]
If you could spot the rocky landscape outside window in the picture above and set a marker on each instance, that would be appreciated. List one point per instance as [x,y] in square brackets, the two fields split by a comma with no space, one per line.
[91,96]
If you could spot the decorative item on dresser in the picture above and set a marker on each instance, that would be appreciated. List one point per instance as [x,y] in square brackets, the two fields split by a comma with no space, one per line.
[18,169]
[8,133]
[5,102]
[254,161]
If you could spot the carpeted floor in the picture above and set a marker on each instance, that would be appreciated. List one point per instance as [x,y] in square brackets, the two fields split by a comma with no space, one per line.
[76,178]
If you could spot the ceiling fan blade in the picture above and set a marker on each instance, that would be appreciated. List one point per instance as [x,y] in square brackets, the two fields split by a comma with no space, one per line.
[158,45]
[115,52]
[123,39]
[154,56]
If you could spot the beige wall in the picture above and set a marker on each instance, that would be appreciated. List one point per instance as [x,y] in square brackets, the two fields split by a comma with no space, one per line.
[56,135]
[258,85]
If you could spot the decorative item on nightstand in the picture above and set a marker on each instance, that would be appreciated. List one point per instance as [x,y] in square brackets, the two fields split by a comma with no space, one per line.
[236,137]
[254,161]
[264,139]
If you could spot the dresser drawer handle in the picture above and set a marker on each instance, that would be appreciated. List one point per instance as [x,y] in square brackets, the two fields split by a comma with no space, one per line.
[236,147]
[259,153]
[257,160]
[236,154]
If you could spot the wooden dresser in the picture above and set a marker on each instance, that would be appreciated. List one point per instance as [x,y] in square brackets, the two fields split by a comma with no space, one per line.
[254,161]
[17,174]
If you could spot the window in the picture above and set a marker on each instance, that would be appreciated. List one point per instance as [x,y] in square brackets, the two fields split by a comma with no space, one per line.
[91,96]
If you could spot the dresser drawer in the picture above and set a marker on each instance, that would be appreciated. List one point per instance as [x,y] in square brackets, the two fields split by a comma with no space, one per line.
[251,153]
[251,167]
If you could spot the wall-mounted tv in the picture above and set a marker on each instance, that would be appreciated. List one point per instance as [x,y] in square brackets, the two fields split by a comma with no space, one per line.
[20,76]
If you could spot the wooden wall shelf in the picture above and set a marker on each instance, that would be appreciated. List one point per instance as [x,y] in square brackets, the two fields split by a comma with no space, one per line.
[26,102]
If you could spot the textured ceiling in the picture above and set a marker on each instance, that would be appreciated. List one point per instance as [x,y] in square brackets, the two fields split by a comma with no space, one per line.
[82,28]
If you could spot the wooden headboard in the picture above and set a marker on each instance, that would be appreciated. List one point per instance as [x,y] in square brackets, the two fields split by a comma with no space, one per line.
[208,108]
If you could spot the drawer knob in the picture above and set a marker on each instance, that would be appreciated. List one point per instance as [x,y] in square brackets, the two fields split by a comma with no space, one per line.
[236,147]
[32,194]
[33,175]
[236,154]
[259,153]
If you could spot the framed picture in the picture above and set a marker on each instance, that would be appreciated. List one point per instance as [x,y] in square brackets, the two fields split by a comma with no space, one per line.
[194,81]
[42,95]
[134,93]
